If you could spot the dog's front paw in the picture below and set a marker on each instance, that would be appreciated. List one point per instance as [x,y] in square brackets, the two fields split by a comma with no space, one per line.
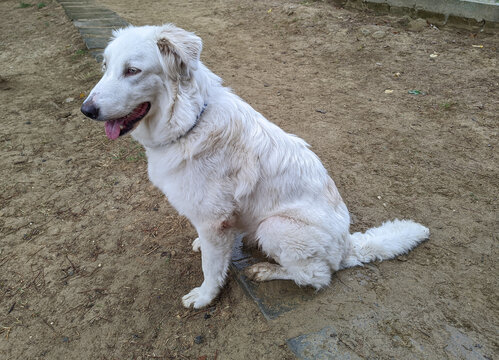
[196,245]
[198,298]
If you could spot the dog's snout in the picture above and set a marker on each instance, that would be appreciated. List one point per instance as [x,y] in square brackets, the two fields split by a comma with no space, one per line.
[90,110]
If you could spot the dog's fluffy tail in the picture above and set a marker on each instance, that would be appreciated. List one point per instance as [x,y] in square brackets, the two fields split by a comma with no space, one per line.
[390,239]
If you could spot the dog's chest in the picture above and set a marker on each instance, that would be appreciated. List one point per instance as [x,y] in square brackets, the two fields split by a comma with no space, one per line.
[179,186]
[191,189]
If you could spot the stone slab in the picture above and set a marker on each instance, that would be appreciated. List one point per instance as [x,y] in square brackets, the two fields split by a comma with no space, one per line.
[96,42]
[96,32]
[75,2]
[114,23]
[321,345]
[92,15]
[460,346]
[76,6]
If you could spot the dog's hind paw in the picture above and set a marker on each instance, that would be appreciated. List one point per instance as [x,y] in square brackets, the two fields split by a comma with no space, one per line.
[198,298]
[196,245]
[264,271]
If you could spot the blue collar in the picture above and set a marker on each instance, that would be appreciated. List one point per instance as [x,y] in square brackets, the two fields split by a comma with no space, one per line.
[187,132]
[200,114]
[195,122]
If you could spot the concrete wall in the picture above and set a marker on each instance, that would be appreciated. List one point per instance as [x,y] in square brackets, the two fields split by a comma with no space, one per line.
[479,10]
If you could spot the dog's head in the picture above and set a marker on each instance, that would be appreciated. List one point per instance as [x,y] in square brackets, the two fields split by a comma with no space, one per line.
[143,67]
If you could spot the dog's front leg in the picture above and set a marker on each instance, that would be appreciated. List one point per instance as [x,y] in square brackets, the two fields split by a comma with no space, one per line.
[196,245]
[216,249]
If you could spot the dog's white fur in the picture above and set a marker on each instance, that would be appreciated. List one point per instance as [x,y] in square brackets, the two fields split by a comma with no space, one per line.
[234,172]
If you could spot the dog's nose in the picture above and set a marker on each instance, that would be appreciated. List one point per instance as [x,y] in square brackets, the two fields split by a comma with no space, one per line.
[90,110]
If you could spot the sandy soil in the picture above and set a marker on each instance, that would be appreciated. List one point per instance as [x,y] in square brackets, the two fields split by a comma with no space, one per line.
[93,260]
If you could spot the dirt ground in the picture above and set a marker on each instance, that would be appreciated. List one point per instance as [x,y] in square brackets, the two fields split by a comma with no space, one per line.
[94,261]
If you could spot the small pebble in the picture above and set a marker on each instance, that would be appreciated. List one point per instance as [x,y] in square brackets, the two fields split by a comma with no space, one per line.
[379,34]
[417,25]
[65,339]
[207,316]
[199,339]
[404,21]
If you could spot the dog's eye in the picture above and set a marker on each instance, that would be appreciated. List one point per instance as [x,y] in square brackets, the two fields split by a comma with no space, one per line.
[131,71]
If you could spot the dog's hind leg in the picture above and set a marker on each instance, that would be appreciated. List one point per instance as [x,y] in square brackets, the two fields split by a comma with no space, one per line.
[216,249]
[303,273]
[265,271]
[298,247]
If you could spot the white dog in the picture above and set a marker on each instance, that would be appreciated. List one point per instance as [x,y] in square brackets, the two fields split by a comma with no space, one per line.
[228,169]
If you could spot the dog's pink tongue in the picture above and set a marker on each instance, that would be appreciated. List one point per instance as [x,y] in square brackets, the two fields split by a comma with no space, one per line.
[113,129]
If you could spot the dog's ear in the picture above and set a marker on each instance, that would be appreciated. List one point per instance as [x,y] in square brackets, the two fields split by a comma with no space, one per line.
[180,49]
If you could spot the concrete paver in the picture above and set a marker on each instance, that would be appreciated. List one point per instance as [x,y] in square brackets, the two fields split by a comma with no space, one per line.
[95,23]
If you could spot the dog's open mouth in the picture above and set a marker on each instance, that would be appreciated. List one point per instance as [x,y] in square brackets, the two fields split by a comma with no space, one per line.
[116,128]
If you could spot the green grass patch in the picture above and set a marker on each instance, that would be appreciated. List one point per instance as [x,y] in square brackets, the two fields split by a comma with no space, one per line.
[447,105]
[134,158]
[132,153]
[79,53]
[24,5]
